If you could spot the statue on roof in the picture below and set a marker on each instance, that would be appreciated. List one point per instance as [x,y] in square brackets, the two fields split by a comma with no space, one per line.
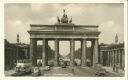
[58,19]
[64,19]
[70,20]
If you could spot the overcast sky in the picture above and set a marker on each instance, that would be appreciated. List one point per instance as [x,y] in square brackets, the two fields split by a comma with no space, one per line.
[109,17]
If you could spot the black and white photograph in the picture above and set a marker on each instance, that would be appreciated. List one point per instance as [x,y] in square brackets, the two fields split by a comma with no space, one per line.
[64,39]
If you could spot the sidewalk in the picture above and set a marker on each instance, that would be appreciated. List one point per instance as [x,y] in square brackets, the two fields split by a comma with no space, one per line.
[9,72]
[120,72]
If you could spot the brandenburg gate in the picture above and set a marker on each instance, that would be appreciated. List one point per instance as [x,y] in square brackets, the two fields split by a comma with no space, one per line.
[64,29]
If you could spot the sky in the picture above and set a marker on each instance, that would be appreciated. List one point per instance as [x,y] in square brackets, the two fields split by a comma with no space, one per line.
[109,17]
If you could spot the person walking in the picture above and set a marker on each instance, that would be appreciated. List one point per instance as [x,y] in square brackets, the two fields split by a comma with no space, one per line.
[114,67]
[73,70]
[117,67]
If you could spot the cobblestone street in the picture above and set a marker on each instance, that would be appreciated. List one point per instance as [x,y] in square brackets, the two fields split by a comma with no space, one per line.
[78,72]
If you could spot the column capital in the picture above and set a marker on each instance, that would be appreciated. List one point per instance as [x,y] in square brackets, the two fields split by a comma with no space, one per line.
[34,39]
[96,39]
[56,38]
[44,38]
[84,38]
[72,38]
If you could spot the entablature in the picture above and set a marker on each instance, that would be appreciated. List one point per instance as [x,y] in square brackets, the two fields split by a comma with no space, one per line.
[63,27]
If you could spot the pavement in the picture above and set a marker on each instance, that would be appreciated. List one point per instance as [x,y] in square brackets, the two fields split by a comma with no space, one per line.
[84,72]
[9,72]
[73,72]
[77,72]
[120,72]
[58,71]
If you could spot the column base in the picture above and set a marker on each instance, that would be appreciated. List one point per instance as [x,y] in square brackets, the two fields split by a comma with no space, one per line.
[84,66]
[56,65]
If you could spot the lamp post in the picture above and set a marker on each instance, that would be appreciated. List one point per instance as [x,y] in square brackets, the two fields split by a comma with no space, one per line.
[17,47]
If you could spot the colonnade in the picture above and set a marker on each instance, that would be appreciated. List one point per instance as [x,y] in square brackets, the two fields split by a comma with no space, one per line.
[112,57]
[33,51]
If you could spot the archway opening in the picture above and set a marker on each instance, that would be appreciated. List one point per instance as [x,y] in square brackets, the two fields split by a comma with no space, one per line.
[64,53]
[77,53]
[39,52]
[89,55]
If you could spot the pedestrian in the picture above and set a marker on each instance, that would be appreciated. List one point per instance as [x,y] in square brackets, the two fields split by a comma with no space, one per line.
[114,67]
[39,64]
[117,67]
[73,71]
[123,68]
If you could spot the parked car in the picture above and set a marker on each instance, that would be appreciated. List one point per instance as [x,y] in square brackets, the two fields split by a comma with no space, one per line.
[36,71]
[51,63]
[100,71]
[24,65]
[18,74]
[46,68]
[63,64]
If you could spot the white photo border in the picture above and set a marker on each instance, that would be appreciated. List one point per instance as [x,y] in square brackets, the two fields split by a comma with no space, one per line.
[3,77]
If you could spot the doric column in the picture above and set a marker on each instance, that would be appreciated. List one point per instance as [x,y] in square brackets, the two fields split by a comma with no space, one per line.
[108,58]
[33,50]
[56,52]
[44,59]
[46,48]
[72,48]
[83,57]
[114,57]
[26,53]
[121,58]
[101,57]
[92,51]
[95,52]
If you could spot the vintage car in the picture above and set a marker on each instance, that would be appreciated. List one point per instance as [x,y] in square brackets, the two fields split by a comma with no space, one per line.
[46,68]
[100,71]
[36,71]
[24,65]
